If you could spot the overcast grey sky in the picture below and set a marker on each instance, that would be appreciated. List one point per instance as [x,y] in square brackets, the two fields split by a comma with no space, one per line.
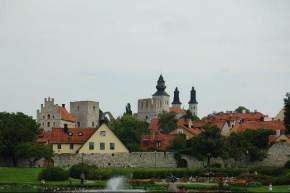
[233,52]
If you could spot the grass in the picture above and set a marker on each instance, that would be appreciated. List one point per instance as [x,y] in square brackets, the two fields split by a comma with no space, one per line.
[282,188]
[19,175]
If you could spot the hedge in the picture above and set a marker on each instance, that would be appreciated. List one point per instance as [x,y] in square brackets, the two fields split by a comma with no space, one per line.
[53,174]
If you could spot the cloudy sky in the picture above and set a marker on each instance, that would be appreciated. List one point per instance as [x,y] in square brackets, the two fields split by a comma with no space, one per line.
[233,52]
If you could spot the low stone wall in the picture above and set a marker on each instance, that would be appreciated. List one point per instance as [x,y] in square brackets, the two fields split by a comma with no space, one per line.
[134,159]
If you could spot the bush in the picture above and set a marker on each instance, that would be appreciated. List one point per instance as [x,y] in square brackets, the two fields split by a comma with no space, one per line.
[270,171]
[287,165]
[216,165]
[53,174]
[76,170]
[254,184]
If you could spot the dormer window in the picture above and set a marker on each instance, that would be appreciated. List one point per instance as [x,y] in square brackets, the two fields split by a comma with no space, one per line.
[70,133]
[80,133]
[103,133]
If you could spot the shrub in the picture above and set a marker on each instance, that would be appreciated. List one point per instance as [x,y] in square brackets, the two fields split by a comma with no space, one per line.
[53,174]
[254,184]
[270,171]
[216,165]
[287,165]
[76,170]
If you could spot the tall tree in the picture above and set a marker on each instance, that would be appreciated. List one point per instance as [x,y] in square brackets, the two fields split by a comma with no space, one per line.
[33,152]
[15,129]
[167,121]
[250,144]
[287,112]
[179,143]
[242,109]
[128,109]
[130,131]
[209,144]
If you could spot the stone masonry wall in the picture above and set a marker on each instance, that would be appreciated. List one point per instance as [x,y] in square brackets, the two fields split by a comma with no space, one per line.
[134,159]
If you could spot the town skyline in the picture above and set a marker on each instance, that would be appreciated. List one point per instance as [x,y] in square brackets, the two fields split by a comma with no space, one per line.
[113,52]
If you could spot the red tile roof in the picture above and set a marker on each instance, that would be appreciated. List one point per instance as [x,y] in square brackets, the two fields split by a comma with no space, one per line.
[176,110]
[149,142]
[43,137]
[252,116]
[154,124]
[65,115]
[74,135]
[272,125]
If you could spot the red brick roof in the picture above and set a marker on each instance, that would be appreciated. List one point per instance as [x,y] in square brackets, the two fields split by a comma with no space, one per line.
[216,123]
[65,115]
[272,125]
[74,135]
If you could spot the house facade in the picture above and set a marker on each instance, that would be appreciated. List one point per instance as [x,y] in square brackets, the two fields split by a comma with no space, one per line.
[83,140]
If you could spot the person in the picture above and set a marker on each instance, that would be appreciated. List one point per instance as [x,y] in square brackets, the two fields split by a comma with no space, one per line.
[82,178]
[270,187]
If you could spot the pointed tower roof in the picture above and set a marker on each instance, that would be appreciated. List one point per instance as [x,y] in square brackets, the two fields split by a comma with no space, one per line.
[192,96]
[160,87]
[176,97]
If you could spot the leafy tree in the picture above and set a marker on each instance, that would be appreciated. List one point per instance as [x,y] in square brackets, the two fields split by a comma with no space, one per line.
[15,129]
[167,121]
[250,144]
[209,144]
[128,109]
[33,152]
[130,131]
[103,118]
[287,112]
[179,143]
[190,116]
[241,109]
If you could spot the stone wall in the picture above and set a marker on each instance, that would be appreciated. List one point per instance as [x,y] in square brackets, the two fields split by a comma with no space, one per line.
[134,159]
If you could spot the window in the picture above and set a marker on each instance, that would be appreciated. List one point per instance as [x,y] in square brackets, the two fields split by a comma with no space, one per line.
[112,146]
[80,133]
[54,124]
[102,146]
[79,124]
[48,124]
[48,116]
[103,133]
[43,117]
[58,146]
[93,124]
[78,107]
[94,108]
[71,146]
[53,116]
[91,146]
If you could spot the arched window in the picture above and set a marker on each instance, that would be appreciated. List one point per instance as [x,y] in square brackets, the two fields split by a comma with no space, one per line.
[48,116]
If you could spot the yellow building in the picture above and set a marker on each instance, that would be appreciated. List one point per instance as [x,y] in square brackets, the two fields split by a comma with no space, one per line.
[85,140]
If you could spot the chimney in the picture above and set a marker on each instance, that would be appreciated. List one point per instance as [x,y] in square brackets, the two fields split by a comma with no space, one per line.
[63,105]
[65,128]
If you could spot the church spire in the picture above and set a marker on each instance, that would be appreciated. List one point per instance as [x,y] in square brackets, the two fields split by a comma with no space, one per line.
[176,100]
[160,87]
[192,96]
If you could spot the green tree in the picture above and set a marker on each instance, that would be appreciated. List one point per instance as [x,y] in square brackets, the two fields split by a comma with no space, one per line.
[190,116]
[128,109]
[209,144]
[130,131]
[179,143]
[167,121]
[242,109]
[250,144]
[15,129]
[287,112]
[33,152]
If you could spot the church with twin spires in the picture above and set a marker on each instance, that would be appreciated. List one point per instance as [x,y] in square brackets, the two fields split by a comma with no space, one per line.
[159,102]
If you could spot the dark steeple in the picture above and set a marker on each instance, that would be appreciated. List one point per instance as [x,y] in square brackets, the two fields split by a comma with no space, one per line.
[176,100]
[160,87]
[192,96]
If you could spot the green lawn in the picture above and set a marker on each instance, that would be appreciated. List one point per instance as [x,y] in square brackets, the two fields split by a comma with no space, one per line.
[19,175]
[283,188]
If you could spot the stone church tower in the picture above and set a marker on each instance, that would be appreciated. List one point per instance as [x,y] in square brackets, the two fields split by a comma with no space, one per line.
[151,107]
[193,103]
[176,101]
